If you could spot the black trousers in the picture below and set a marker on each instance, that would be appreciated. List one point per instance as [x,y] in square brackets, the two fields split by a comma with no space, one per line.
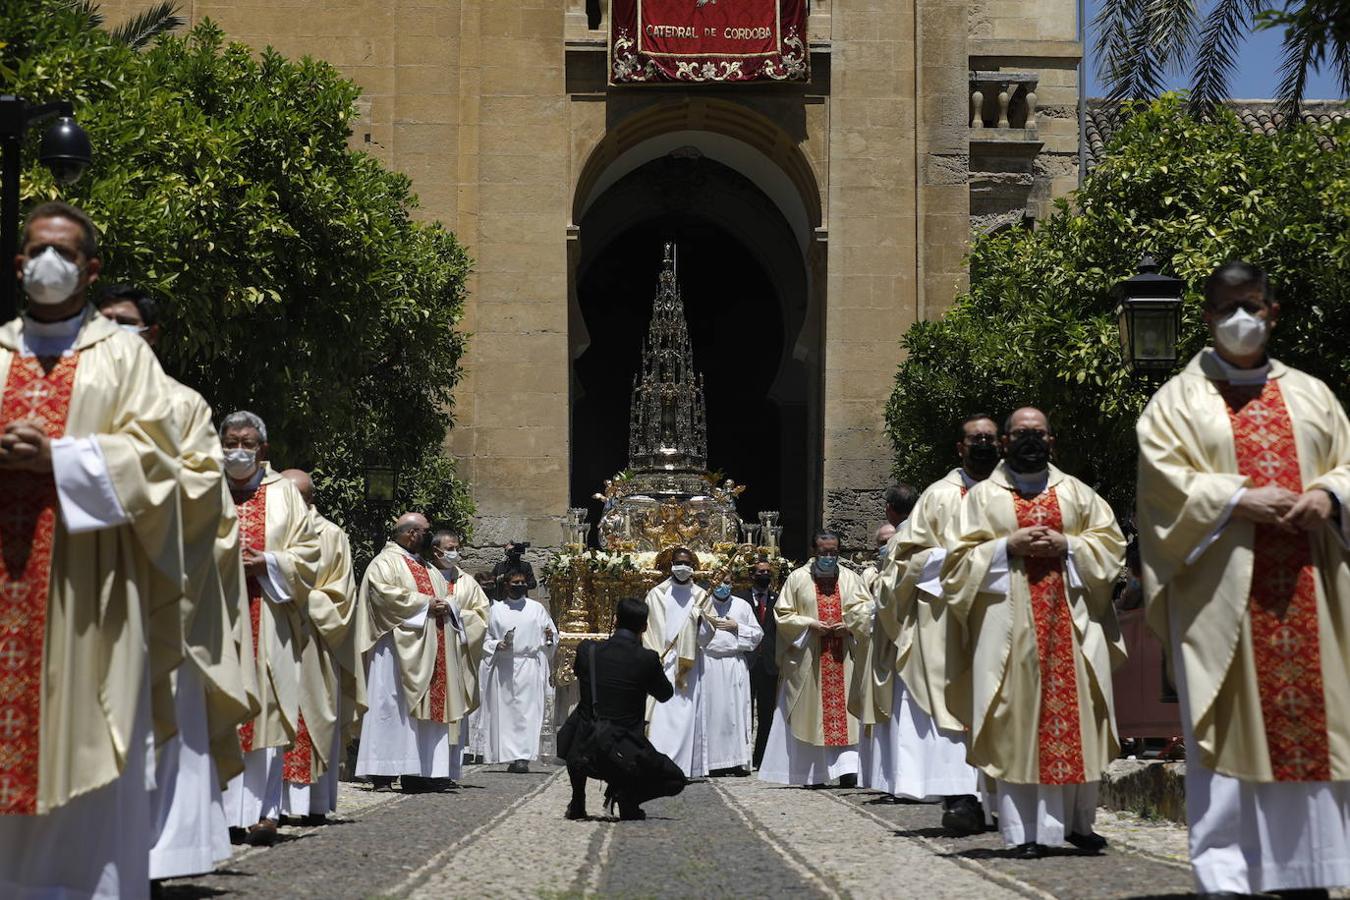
[658,776]
[764,686]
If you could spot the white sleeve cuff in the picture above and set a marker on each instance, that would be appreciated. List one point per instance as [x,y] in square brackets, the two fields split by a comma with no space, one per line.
[1199,549]
[88,500]
[1071,575]
[419,620]
[996,580]
[274,585]
[930,579]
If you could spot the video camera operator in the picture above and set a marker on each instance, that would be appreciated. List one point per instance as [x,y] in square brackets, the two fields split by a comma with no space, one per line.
[514,562]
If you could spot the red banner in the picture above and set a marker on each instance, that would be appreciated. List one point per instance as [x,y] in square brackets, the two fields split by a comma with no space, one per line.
[653,41]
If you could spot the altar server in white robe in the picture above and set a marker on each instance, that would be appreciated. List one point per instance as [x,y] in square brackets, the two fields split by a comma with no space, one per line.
[188,814]
[931,740]
[1030,577]
[91,578]
[420,681]
[872,686]
[1244,477]
[814,738]
[520,643]
[726,677]
[678,631]
[280,552]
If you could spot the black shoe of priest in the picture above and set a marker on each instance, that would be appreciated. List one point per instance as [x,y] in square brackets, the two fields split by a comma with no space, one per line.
[1092,842]
[1029,850]
[519,767]
[848,781]
[963,816]
[575,812]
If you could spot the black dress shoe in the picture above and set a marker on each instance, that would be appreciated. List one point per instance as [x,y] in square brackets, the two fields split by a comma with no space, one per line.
[314,820]
[848,781]
[887,799]
[519,767]
[575,812]
[963,816]
[1029,850]
[1091,842]
[631,814]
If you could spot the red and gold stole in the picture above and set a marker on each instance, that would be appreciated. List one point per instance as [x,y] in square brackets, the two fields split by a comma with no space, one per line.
[1283,604]
[1059,738]
[833,682]
[252,513]
[422,579]
[38,389]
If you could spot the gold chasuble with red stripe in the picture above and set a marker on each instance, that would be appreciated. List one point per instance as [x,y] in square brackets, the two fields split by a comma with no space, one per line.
[36,389]
[252,513]
[833,677]
[1283,601]
[1059,737]
[437,692]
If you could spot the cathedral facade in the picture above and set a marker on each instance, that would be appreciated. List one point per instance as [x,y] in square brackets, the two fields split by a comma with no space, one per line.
[817,220]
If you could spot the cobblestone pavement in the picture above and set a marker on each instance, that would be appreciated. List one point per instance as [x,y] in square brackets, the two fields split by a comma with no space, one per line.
[502,835]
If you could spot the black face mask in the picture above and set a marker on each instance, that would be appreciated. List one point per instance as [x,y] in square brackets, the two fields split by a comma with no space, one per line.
[423,548]
[762,581]
[1028,453]
[981,459]
[516,591]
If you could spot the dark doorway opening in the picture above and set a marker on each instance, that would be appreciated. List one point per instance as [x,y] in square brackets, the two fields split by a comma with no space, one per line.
[743,283]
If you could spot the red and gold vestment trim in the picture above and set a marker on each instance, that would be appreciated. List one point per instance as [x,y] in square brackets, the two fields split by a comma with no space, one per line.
[39,390]
[438,695]
[1059,737]
[252,533]
[833,681]
[1283,604]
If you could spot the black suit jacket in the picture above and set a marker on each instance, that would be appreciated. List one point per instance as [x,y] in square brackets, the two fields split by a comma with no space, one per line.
[626,673]
[763,661]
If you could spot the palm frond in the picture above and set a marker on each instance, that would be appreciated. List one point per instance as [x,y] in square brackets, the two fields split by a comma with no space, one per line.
[143,28]
[1216,54]
[1114,23]
[89,9]
[1171,27]
[1302,50]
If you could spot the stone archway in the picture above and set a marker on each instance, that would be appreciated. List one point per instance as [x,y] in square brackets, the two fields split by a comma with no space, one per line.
[752,267]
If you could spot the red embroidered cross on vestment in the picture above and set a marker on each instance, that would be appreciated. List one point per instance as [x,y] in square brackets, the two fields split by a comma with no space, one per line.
[1059,738]
[38,390]
[1283,602]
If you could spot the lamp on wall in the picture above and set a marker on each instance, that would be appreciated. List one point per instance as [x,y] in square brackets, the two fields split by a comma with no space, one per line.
[1149,310]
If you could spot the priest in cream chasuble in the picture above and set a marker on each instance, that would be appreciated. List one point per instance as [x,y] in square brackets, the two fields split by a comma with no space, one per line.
[420,681]
[913,614]
[281,554]
[1029,577]
[210,697]
[1244,471]
[91,577]
[814,738]
[333,694]
[871,687]
[678,631]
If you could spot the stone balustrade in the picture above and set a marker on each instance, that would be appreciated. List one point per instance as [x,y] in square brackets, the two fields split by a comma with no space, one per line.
[1004,105]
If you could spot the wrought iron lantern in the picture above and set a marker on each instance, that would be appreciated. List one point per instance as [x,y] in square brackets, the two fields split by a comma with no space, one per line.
[381,483]
[1150,318]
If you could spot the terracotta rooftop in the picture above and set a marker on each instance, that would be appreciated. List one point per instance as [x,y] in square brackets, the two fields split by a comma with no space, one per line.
[1260,116]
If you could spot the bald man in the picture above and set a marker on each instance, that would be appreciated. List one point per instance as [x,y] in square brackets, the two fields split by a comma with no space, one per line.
[420,677]
[1029,578]
[332,680]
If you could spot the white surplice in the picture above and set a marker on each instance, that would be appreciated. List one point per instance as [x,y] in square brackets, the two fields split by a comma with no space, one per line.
[514,682]
[188,829]
[679,727]
[788,760]
[726,685]
[255,794]
[907,755]
[319,798]
[392,742]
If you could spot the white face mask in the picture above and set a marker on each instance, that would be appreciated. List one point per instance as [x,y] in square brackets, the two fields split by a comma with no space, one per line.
[449,561]
[1242,334]
[49,278]
[132,329]
[241,463]
[682,573]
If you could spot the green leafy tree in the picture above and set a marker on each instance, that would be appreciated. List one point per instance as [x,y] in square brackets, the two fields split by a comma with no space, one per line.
[294,279]
[1038,325]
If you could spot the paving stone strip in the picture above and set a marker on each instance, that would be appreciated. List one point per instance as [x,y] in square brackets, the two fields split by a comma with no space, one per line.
[859,853]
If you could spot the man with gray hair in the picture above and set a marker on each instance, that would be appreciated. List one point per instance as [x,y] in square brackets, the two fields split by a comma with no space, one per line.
[280,553]
[421,680]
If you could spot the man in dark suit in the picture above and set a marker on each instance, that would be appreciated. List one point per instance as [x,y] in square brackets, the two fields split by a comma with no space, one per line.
[625,674]
[763,664]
